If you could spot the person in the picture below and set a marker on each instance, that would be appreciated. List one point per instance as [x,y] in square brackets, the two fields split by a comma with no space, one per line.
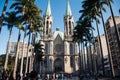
[11,76]
[38,77]
[33,75]
[4,75]
[26,76]
[46,77]
[17,75]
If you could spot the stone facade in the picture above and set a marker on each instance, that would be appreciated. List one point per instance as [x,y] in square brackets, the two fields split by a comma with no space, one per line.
[60,51]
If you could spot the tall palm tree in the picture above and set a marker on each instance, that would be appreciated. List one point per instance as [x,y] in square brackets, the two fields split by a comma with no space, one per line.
[30,14]
[100,6]
[10,20]
[23,52]
[3,14]
[27,17]
[82,33]
[17,49]
[34,29]
[92,12]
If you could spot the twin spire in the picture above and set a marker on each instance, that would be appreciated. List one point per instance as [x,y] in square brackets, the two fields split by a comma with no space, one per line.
[68,9]
[48,10]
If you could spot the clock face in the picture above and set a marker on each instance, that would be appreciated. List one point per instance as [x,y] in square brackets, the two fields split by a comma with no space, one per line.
[58,47]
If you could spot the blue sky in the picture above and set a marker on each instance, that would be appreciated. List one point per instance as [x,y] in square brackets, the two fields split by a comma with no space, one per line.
[58,8]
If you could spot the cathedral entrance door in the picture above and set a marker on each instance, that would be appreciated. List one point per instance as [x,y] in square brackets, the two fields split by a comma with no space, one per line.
[58,65]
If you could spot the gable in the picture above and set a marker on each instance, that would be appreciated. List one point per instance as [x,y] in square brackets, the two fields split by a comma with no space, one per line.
[56,33]
[58,39]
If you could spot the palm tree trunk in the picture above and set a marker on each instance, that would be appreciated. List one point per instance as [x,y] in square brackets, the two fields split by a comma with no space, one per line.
[22,58]
[91,60]
[108,48]
[88,66]
[16,55]
[84,57]
[79,58]
[30,64]
[28,47]
[99,40]
[115,26]
[94,57]
[8,50]
[96,67]
[3,14]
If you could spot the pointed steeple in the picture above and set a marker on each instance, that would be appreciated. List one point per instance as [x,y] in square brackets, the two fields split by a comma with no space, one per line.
[48,10]
[68,9]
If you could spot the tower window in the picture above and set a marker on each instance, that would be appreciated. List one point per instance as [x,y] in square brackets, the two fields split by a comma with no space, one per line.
[47,26]
[70,27]
[46,48]
[66,27]
[71,61]
[71,48]
[50,27]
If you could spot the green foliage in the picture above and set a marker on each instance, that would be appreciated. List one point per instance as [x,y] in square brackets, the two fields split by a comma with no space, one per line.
[11,19]
[82,31]
[91,11]
[30,15]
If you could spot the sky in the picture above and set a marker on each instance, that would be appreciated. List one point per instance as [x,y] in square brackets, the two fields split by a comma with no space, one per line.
[58,8]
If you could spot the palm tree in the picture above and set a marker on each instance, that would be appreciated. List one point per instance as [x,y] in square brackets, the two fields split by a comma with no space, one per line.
[30,14]
[81,34]
[17,49]
[27,17]
[101,8]
[10,20]
[3,14]
[92,12]
[22,57]
[34,29]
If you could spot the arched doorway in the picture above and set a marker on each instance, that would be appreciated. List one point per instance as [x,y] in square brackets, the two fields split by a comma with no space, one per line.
[58,65]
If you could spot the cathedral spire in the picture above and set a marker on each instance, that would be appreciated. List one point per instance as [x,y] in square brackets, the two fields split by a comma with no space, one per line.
[48,10]
[68,9]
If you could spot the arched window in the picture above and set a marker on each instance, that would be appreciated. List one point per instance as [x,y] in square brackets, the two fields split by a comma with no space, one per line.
[70,27]
[46,48]
[66,27]
[71,61]
[50,27]
[47,27]
[71,48]
[65,23]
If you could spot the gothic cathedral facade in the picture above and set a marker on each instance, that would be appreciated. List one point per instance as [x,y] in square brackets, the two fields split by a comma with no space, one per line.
[61,53]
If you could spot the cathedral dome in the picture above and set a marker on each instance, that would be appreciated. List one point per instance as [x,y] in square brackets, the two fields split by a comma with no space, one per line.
[58,32]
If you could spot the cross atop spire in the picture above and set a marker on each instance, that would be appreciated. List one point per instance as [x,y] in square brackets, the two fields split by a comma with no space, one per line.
[68,9]
[48,10]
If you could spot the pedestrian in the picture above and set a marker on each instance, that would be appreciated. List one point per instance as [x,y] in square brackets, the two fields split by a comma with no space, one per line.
[4,75]
[11,76]
[26,76]
[33,75]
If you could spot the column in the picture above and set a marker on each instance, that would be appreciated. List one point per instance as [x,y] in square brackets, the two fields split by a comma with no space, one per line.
[67,58]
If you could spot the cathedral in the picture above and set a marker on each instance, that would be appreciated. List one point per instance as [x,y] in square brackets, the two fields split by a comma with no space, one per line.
[61,53]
